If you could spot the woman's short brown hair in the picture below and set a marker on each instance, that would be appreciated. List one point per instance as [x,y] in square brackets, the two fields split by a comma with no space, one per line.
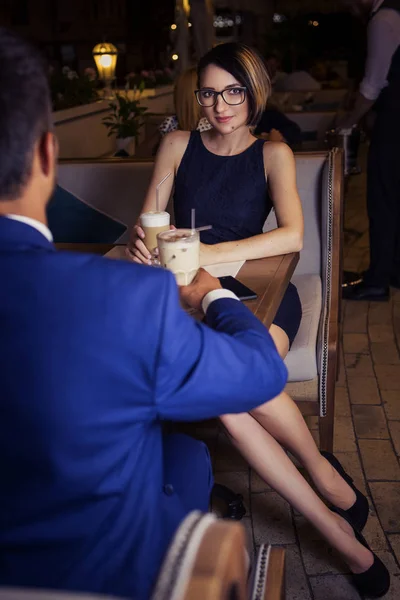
[247,66]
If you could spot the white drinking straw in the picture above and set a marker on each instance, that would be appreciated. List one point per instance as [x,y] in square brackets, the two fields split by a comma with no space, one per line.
[204,228]
[193,222]
[158,192]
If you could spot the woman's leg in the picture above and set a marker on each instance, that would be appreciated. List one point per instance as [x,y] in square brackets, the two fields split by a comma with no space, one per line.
[284,421]
[266,456]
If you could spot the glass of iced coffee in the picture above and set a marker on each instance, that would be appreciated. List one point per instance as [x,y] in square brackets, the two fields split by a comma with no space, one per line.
[153,223]
[179,251]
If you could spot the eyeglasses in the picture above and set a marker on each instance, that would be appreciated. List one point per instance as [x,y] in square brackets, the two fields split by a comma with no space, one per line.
[232,96]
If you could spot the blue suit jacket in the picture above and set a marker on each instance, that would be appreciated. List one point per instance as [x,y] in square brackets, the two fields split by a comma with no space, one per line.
[94,355]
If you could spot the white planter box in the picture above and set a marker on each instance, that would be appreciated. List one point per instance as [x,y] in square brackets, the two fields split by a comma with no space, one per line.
[128,144]
[157,100]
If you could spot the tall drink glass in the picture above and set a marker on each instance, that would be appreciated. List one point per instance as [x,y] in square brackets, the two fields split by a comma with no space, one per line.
[153,223]
[179,251]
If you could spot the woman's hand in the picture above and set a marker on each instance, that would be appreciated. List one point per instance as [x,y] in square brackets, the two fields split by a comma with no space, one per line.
[135,249]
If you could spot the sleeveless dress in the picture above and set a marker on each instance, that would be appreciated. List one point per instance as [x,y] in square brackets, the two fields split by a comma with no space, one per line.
[230,193]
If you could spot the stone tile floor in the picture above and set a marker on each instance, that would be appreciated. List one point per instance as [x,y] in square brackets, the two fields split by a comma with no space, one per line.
[367,440]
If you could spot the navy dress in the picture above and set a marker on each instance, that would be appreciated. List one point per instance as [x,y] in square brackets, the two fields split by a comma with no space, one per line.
[230,193]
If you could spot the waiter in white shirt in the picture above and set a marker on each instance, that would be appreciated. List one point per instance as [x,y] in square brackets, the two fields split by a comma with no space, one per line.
[380,88]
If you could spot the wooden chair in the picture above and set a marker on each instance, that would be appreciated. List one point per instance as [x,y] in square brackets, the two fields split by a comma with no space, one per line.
[207,561]
[312,360]
[268,581]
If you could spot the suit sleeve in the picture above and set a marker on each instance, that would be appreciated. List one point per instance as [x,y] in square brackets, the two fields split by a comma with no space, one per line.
[230,365]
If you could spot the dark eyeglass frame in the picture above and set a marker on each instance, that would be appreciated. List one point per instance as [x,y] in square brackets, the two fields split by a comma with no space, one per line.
[216,94]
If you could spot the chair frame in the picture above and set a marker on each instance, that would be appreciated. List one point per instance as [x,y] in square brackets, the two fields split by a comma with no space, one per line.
[206,560]
[313,407]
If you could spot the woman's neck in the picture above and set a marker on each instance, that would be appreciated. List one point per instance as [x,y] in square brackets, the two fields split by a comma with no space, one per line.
[229,144]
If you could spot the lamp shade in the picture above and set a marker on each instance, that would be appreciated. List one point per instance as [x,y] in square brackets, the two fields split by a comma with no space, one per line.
[105,56]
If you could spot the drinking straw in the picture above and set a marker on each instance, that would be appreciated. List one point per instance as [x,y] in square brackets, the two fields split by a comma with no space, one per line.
[204,228]
[158,192]
[193,218]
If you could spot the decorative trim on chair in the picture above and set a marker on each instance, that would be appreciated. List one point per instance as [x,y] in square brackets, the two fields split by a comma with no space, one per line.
[260,574]
[323,374]
[178,562]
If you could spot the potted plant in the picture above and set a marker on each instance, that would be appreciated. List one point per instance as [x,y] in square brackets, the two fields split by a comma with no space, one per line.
[68,89]
[125,121]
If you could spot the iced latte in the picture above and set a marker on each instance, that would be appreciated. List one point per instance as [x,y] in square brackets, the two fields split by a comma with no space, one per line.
[152,224]
[179,251]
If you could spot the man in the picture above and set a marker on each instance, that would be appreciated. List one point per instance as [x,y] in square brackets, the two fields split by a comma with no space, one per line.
[299,80]
[273,65]
[275,126]
[94,356]
[380,89]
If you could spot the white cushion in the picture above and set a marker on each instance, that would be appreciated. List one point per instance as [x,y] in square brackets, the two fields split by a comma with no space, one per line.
[116,189]
[301,360]
[309,173]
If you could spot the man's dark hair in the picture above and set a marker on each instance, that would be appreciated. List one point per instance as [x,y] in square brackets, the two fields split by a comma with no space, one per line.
[25,110]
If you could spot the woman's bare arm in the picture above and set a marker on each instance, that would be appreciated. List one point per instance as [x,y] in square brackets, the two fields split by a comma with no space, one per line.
[288,237]
[168,159]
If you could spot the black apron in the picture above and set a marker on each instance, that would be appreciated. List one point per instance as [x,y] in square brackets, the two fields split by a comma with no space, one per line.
[383,181]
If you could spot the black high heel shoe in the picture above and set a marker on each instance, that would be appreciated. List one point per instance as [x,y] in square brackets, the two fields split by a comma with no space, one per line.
[375,582]
[358,513]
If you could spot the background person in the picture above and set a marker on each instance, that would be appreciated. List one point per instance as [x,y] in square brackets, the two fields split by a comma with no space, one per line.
[188,116]
[95,354]
[274,68]
[380,89]
[275,126]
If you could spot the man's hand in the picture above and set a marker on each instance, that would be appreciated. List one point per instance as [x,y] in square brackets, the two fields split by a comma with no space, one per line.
[361,106]
[273,136]
[194,293]
[345,122]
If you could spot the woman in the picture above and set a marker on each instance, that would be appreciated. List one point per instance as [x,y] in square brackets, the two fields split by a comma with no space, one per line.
[188,116]
[233,180]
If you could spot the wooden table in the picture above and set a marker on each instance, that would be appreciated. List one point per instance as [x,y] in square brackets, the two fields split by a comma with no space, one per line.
[268,277]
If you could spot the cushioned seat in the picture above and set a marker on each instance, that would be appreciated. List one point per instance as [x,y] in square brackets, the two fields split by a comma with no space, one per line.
[312,360]
[302,358]
[71,220]
[115,187]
